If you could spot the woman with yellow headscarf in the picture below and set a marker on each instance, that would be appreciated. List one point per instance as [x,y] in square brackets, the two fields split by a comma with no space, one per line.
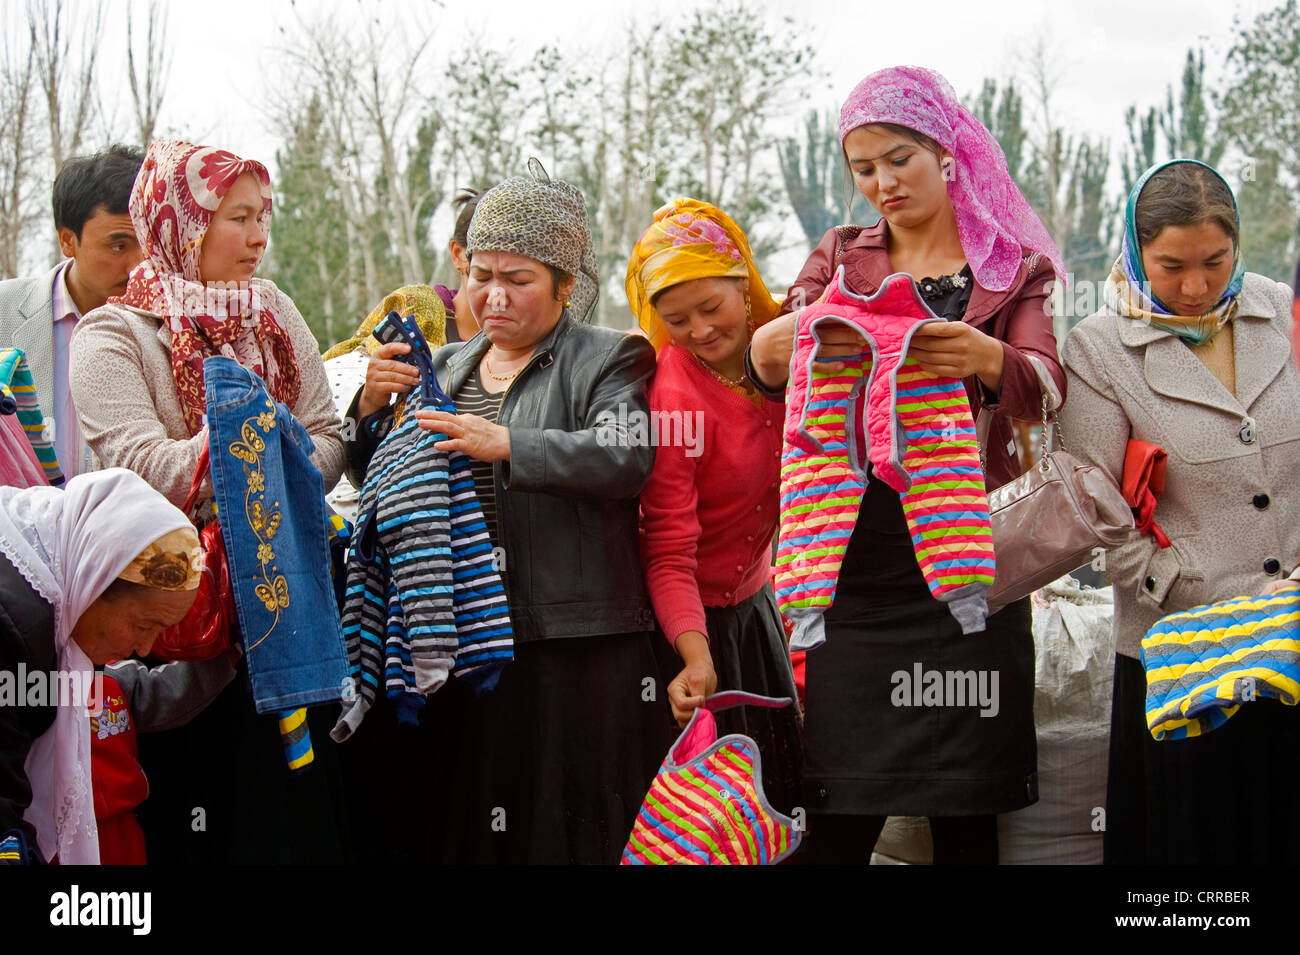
[709,510]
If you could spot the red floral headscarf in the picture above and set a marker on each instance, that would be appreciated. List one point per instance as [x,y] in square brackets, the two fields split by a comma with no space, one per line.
[176,194]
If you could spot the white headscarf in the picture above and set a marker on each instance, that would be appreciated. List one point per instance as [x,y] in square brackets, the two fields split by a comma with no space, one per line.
[69,545]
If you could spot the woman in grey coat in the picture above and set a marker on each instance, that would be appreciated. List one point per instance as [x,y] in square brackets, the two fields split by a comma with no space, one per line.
[1191,353]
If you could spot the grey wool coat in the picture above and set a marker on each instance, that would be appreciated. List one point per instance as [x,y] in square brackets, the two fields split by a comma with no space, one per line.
[1231,504]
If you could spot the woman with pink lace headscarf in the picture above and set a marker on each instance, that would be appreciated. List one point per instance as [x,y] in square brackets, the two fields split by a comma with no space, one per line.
[883,734]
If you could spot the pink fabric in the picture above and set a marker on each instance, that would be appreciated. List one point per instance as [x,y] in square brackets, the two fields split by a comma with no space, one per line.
[18,464]
[995,222]
[894,316]
[707,519]
[697,737]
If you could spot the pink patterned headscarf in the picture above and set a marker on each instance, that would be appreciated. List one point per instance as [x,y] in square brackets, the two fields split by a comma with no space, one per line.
[995,222]
[175,196]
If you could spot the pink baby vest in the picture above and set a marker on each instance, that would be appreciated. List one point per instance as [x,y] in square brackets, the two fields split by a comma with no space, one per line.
[915,429]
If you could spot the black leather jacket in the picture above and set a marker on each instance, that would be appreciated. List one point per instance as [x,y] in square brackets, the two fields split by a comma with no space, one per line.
[567,500]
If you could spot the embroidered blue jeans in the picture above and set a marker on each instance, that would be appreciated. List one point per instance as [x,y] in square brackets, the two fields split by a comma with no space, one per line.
[271,504]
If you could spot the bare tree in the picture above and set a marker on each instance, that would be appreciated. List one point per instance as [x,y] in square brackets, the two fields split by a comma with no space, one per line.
[373,164]
[17,79]
[68,83]
[149,79]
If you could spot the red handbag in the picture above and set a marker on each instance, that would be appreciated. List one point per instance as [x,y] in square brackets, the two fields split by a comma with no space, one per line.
[205,631]
[1144,481]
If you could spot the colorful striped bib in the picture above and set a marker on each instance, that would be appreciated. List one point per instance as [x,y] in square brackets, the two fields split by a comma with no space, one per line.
[706,805]
[1203,663]
[915,429]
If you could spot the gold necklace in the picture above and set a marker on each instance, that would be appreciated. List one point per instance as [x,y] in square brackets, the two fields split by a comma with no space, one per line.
[494,376]
[741,383]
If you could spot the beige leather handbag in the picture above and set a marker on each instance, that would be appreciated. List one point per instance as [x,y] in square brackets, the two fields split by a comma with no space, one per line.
[1058,515]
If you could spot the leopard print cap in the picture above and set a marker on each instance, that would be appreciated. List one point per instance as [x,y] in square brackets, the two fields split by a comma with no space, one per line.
[544,219]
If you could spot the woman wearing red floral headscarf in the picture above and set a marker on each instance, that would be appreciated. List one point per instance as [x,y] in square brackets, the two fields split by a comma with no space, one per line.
[202,216]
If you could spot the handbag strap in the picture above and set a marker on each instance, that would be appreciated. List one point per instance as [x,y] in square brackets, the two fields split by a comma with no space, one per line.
[200,472]
[728,699]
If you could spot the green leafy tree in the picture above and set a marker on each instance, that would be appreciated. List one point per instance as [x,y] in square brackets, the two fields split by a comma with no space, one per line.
[729,79]
[1062,175]
[307,257]
[1259,111]
[816,182]
[1186,125]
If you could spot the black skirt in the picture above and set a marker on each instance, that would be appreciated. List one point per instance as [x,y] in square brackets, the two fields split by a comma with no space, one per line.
[747,643]
[1229,797]
[221,793]
[550,766]
[904,714]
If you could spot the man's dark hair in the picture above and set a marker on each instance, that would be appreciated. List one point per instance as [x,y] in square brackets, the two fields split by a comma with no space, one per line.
[85,183]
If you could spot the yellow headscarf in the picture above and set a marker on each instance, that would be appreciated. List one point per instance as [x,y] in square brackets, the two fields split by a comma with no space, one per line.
[418,300]
[690,239]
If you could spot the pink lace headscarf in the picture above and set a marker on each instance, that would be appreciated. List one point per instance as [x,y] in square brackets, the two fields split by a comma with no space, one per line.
[995,222]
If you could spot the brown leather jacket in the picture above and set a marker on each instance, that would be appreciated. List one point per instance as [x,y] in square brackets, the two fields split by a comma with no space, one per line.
[1019,317]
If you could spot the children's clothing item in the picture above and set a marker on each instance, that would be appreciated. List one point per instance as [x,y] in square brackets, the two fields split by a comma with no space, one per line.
[18,397]
[916,431]
[424,599]
[271,503]
[144,699]
[14,849]
[706,806]
[1203,663]
[296,738]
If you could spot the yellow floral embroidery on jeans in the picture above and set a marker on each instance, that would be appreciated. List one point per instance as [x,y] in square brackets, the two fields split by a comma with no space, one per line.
[263,516]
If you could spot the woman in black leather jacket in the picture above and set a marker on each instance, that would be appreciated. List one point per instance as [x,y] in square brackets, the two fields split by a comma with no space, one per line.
[551,765]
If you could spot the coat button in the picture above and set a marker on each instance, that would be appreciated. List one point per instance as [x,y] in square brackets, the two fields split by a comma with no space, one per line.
[1149,583]
[1260,501]
[1247,434]
[1271,566]
[740,569]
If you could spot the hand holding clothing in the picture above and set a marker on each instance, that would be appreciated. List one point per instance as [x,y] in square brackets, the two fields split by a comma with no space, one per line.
[958,350]
[386,375]
[696,680]
[469,434]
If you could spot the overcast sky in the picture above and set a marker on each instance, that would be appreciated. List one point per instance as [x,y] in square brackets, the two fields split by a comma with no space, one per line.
[1108,53]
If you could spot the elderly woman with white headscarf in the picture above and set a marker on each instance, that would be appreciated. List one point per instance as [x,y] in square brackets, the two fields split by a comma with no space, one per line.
[88,574]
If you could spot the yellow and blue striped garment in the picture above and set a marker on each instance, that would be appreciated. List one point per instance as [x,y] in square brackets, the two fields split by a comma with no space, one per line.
[1203,663]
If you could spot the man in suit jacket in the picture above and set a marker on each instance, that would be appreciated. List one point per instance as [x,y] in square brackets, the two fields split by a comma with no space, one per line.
[38,314]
